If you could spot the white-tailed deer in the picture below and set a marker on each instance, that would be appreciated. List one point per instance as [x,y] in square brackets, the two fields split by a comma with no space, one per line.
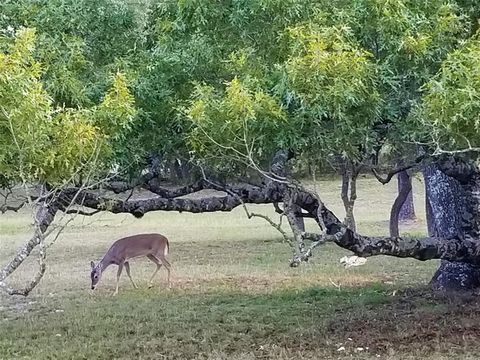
[154,246]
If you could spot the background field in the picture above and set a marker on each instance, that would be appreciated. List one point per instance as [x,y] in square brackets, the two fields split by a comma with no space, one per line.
[233,294]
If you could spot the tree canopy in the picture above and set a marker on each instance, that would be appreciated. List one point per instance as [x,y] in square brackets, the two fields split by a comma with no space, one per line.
[319,78]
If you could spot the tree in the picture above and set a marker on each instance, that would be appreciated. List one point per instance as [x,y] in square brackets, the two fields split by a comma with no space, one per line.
[332,81]
[402,208]
[49,148]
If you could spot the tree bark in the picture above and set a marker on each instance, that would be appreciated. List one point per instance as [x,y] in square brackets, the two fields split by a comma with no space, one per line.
[407,211]
[397,206]
[429,215]
[446,202]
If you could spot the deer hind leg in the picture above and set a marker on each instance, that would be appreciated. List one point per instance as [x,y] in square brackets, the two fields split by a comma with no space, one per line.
[159,265]
[167,265]
[119,272]
[127,268]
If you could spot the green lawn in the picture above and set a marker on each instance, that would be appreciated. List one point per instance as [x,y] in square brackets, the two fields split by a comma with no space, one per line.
[233,294]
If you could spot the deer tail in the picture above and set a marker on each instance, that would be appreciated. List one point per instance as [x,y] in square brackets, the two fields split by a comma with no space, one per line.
[167,247]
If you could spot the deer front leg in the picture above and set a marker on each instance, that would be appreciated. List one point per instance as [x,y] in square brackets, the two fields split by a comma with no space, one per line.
[127,268]
[119,272]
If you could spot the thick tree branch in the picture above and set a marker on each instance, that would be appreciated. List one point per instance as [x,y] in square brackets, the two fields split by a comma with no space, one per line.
[139,207]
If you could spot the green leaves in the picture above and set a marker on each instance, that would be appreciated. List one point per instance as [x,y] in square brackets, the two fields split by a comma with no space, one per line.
[239,124]
[334,82]
[320,78]
[451,104]
[116,112]
[39,142]
[24,108]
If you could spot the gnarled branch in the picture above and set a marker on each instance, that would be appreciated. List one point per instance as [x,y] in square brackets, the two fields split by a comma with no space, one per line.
[395,171]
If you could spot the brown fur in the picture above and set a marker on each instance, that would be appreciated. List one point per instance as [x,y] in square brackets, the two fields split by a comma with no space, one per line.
[154,246]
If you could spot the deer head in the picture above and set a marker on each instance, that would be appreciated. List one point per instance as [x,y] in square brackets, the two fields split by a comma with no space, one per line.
[95,274]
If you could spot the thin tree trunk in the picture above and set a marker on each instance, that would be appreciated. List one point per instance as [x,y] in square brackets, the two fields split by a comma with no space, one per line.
[44,216]
[349,193]
[397,206]
[407,211]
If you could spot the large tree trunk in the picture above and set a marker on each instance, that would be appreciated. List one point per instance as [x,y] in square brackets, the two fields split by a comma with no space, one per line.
[445,200]
[429,215]
[407,211]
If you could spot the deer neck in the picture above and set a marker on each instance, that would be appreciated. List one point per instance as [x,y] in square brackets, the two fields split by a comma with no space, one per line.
[106,261]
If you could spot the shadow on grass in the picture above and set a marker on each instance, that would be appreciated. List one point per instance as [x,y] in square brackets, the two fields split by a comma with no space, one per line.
[308,323]
[418,322]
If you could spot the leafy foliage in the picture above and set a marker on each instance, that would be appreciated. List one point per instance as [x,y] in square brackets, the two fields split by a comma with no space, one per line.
[334,83]
[321,78]
[451,107]
[40,142]
[236,126]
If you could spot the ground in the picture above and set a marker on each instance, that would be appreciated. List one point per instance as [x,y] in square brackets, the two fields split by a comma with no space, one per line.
[233,294]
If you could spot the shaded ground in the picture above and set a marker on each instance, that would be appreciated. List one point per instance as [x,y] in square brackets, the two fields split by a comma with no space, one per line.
[234,296]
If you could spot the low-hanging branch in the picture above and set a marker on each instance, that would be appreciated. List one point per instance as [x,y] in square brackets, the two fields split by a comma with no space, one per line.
[139,207]
[425,248]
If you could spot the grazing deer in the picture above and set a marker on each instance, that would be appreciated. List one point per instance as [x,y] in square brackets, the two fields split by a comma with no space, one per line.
[154,246]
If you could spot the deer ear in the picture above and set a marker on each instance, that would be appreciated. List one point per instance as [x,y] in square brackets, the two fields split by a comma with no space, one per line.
[92,264]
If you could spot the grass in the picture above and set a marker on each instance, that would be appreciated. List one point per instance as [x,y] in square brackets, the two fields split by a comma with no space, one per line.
[233,295]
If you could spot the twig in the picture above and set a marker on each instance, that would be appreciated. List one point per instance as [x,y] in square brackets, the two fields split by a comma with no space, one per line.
[278,226]
[249,214]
